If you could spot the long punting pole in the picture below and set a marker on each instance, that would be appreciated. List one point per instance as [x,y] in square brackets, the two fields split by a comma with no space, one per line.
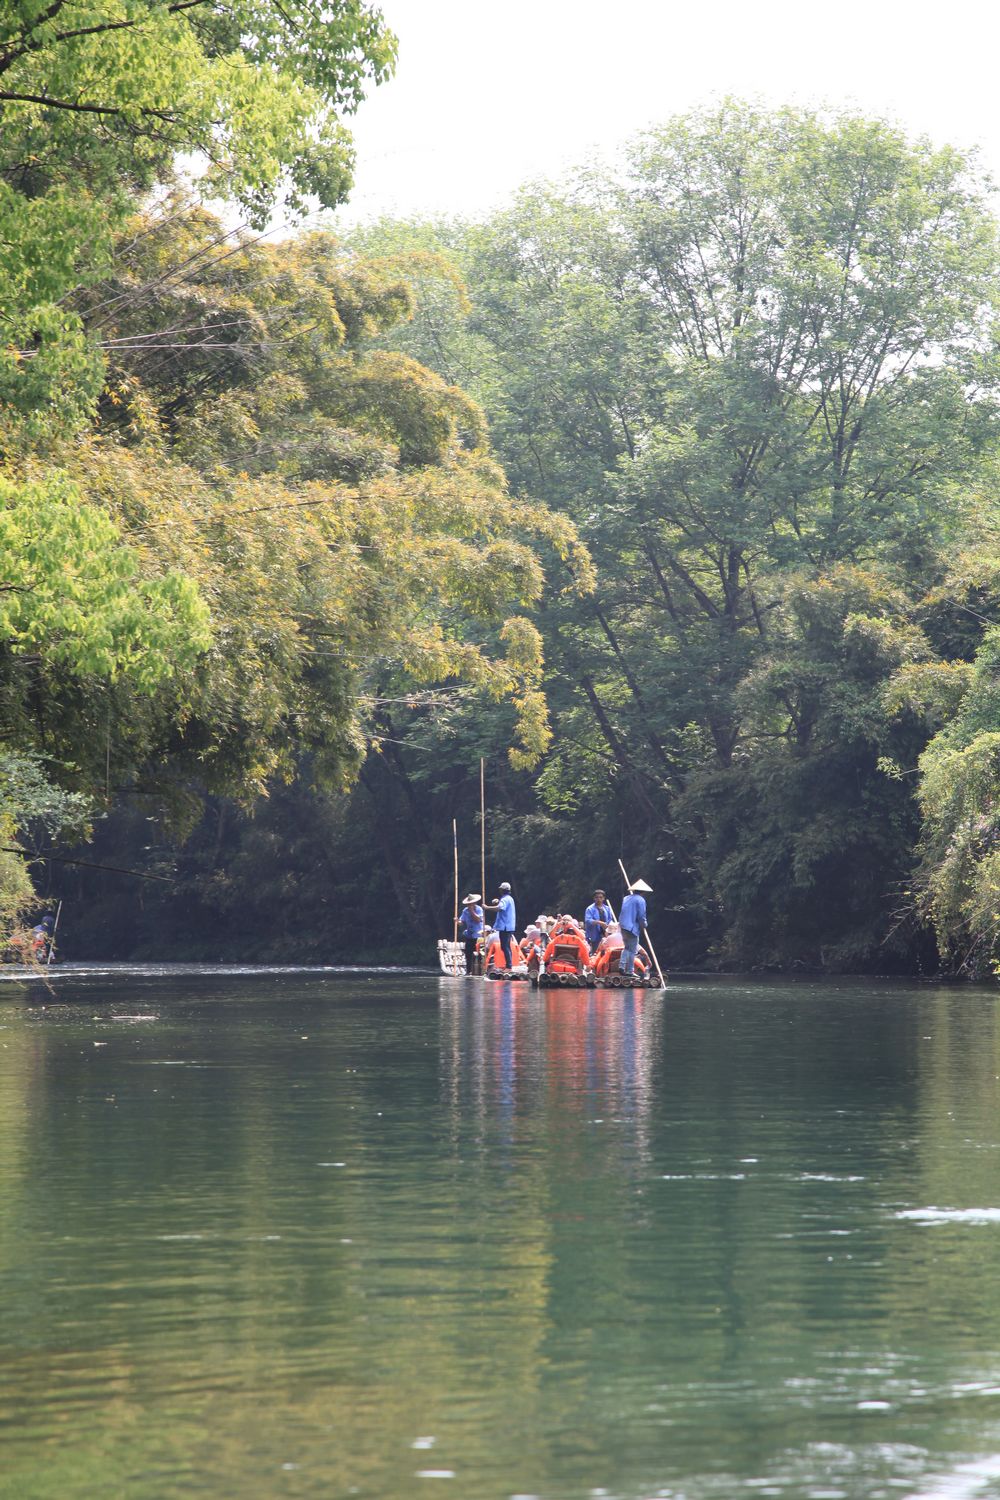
[482,827]
[649,940]
[454,837]
[52,939]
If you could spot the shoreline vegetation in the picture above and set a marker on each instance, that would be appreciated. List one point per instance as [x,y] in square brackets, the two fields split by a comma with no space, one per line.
[671,491]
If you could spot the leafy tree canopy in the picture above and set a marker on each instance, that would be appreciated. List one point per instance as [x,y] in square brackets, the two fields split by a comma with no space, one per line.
[335,512]
[108,94]
[98,101]
[756,365]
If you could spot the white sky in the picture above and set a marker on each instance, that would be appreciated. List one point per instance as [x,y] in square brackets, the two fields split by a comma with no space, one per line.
[489,95]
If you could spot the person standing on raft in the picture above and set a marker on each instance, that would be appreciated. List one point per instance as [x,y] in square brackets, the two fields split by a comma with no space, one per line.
[470,926]
[632,921]
[596,920]
[506,919]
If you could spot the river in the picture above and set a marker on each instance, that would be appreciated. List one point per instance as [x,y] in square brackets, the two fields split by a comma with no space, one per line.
[316,1234]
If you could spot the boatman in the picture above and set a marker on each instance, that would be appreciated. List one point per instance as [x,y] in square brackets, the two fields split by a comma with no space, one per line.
[632,922]
[470,925]
[505,919]
[596,919]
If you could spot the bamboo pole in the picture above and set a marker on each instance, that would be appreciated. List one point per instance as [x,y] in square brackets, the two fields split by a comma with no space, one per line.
[454,837]
[482,827]
[52,939]
[649,940]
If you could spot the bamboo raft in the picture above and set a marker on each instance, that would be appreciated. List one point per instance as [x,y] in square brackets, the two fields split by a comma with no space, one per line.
[452,960]
[596,982]
[451,952]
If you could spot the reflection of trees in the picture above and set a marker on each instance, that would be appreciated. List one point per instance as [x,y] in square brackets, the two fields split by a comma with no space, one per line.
[680,1285]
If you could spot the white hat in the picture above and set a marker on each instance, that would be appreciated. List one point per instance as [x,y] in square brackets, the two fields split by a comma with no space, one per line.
[640,885]
[505,885]
[471,900]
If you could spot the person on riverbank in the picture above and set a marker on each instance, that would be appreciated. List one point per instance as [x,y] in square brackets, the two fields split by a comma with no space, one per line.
[596,920]
[506,919]
[41,938]
[470,929]
[633,923]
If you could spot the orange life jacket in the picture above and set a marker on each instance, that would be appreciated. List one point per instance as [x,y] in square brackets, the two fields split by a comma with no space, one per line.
[567,951]
[494,957]
[608,956]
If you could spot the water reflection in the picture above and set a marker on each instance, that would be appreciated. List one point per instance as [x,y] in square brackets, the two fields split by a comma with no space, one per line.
[326,1238]
[507,1051]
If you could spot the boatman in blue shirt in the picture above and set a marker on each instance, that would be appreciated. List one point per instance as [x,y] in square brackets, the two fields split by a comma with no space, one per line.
[505,919]
[596,919]
[632,922]
[470,927]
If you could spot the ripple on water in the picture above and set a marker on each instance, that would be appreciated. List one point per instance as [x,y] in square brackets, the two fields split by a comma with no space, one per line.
[78,971]
[950,1215]
[964,1481]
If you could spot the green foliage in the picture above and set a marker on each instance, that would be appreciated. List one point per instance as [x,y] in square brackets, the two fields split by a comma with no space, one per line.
[734,583]
[367,470]
[72,597]
[180,620]
[29,797]
[113,91]
[16,889]
[30,801]
[96,102]
[959,878]
[756,368]
[806,840]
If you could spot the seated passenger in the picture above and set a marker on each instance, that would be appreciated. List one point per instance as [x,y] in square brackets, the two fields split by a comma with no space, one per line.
[567,951]
[532,947]
[607,959]
[494,958]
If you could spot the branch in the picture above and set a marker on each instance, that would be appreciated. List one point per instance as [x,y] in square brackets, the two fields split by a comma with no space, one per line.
[82,109]
[65,36]
[88,864]
[47,15]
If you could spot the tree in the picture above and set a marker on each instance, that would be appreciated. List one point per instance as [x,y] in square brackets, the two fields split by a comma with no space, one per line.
[108,94]
[74,605]
[335,513]
[339,512]
[97,100]
[759,355]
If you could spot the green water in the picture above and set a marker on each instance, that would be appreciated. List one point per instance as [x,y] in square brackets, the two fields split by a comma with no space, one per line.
[313,1235]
